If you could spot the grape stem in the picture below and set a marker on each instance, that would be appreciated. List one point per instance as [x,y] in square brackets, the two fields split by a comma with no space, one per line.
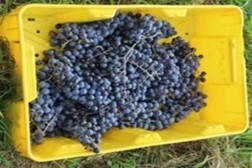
[144,70]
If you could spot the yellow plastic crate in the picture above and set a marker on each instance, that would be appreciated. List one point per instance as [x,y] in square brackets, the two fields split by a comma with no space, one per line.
[216,32]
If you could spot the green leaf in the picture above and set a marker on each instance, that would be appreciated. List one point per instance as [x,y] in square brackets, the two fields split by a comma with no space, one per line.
[111,1]
[203,163]
[1,114]
[73,163]
[109,163]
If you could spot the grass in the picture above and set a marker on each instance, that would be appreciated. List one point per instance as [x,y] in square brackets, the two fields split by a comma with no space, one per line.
[7,92]
[7,86]
[233,152]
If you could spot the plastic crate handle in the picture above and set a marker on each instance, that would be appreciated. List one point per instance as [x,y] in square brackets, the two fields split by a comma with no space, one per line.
[30,80]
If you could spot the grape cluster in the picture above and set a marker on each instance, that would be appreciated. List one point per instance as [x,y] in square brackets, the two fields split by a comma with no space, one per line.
[114,73]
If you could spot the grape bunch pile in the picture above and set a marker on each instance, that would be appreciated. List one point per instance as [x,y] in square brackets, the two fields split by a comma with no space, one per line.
[114,73]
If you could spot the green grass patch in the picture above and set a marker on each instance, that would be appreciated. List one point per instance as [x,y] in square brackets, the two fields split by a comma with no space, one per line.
[7,93]
[7,86]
